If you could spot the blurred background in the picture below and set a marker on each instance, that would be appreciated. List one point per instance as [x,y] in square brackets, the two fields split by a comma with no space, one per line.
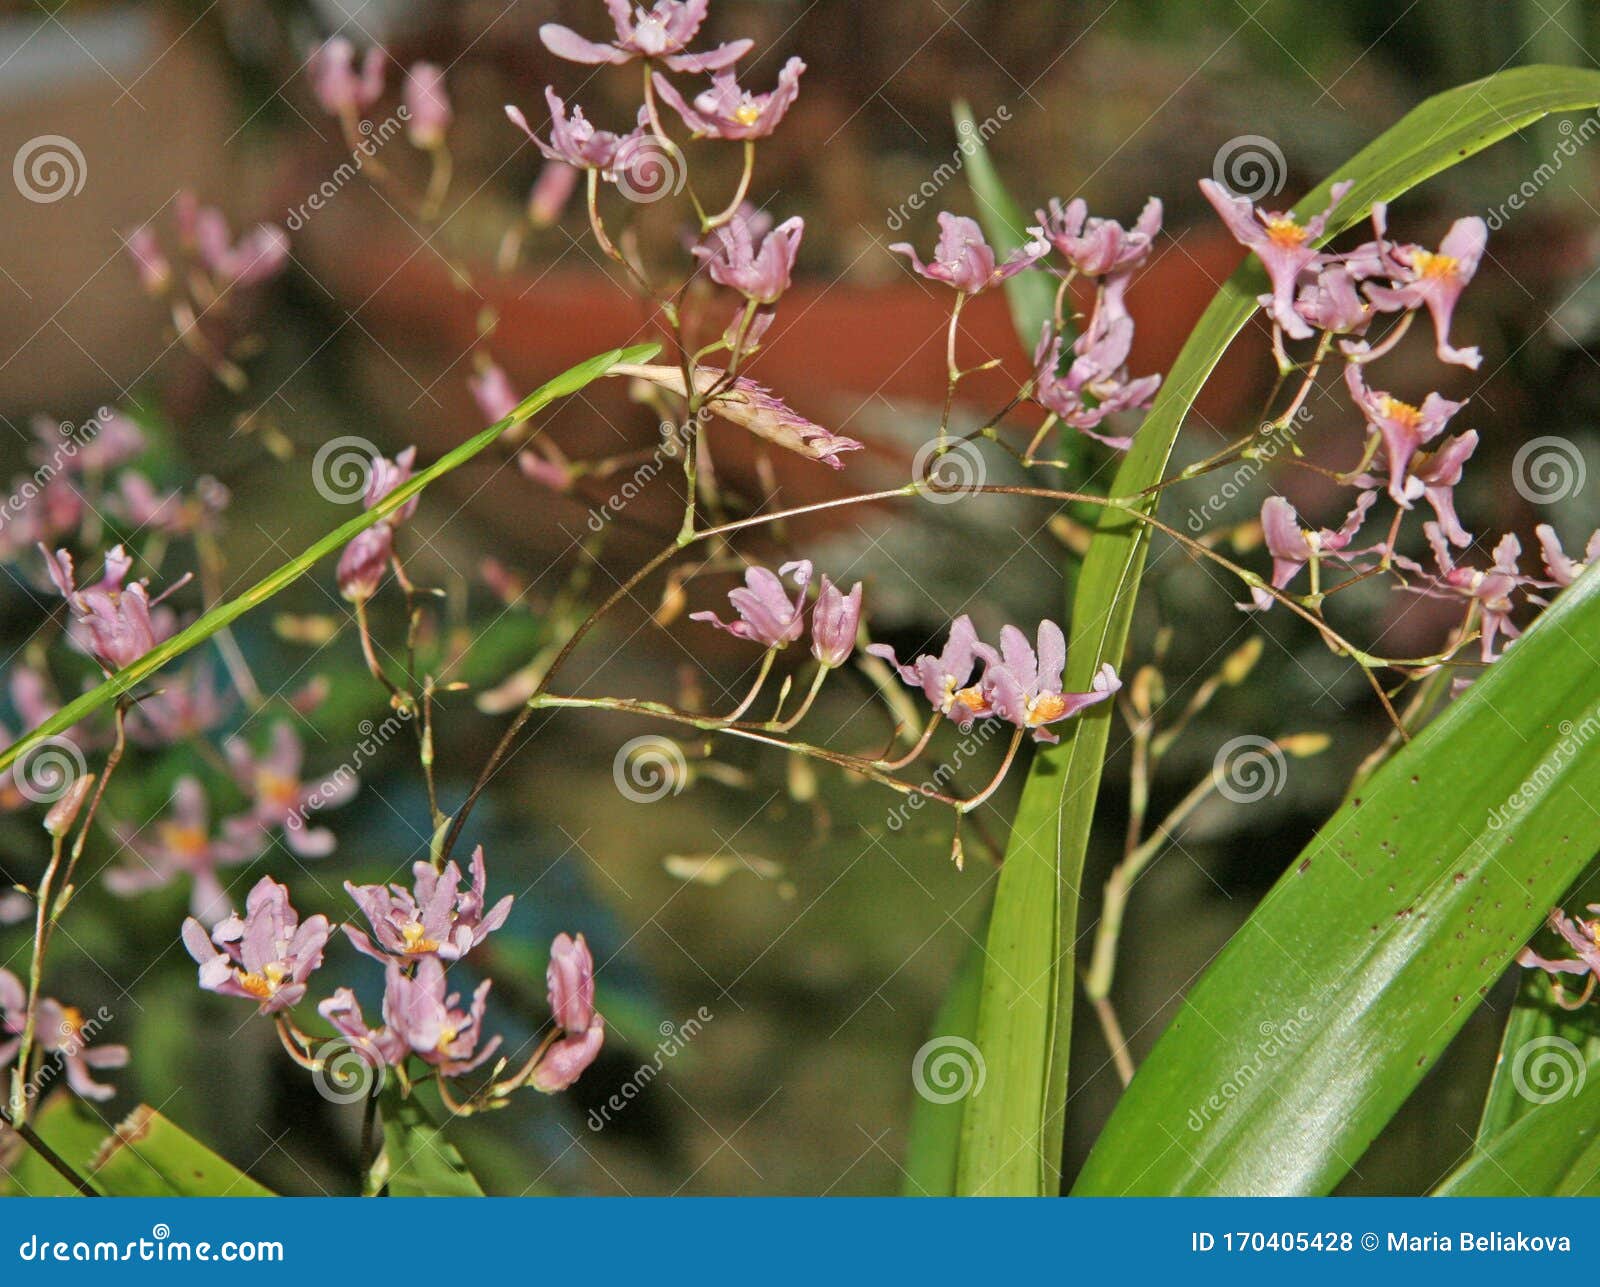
[817,931]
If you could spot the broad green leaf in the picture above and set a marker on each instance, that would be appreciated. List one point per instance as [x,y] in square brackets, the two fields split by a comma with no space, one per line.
[1553,1149]
[1012,1140]
[935,1131]
[1324,1011]
[1031,295]
[1535,1024]
[67,1127]
[569,382]
[148,1156]
[418,1161]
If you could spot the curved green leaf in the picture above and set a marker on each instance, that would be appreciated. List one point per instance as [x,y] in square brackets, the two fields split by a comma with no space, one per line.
[126,679]
[418,1161]
[935,1131]
[1553,1150]
[1324,1011]
[1012,1139]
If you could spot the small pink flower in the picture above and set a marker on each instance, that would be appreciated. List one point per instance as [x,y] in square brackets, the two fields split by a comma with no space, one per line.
[551,192]
[760,272]
[1434,279]
[492,391]
[766,615]
[1293,546]
[265,956]
[182,844]
[435,917]
[946,680]
[1285,246]
[1405,429]
[576,142]
[570,979]
[1024,688]
[727,112]
[965,260]
[427,105]
[661,32]
[279,798]
[1563,571]
[1099,247]
[340,88]
[834,623]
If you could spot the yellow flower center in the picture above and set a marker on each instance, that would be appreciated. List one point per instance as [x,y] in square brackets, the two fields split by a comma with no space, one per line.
[71,1021]
[277,789]
[747,113]
[447,1037]
[1429,264]
[416,938]
[1402,413]
[1285,232]
[185,841]
[1046,707]
[263,985]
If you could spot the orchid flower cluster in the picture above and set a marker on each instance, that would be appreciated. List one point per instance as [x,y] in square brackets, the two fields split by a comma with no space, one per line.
[269,954]
[1406,456]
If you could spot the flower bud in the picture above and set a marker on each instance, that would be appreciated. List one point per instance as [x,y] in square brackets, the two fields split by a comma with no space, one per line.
[64,812]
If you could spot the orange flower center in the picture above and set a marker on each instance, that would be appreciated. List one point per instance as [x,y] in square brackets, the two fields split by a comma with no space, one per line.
[1285,232]
[277,789]
[185,841]
[416,938]
[1435,266]
[1402,413]
[1046,707]
[263,985]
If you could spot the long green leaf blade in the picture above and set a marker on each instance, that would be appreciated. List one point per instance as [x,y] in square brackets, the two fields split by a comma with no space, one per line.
[1324,1011]
[126,679]
[1552,1150]
[1012,1140]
